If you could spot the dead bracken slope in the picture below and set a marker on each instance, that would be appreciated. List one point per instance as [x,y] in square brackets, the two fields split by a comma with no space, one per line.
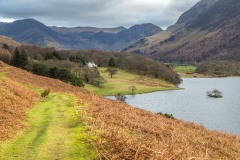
[8,41]
[14,101]
[130,133]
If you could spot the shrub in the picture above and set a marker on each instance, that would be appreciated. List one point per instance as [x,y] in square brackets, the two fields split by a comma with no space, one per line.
[132,88]
[45,92]
[121,97]
[166,115]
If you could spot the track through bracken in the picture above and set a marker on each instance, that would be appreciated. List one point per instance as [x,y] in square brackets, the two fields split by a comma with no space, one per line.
[129,133]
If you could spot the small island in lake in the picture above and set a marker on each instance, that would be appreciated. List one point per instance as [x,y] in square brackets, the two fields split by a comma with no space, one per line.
[215,93]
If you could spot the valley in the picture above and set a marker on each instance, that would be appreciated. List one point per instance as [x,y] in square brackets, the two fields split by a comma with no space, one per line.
[101,111]
[102,80]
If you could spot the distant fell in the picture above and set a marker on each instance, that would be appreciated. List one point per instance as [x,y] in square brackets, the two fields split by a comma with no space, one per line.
[210,30]
[34,32]
[87,29]
[195,11]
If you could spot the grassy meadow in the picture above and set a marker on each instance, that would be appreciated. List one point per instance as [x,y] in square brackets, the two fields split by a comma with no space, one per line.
[121,82]
[184,69]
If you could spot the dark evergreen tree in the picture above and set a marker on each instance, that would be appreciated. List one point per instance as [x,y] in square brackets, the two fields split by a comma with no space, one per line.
[111,63]
[35,56]
[23,61]
[77,59]
[48,56]
[72,59]
[62,74]
[56,55]
[40,69]
[16,58]
[5,46]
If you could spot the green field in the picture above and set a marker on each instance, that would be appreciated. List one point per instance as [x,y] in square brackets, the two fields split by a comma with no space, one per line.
[121,82]
[54,132]
[184,69]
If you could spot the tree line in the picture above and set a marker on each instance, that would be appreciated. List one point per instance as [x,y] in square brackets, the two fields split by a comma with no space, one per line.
[220,68]
[76,63]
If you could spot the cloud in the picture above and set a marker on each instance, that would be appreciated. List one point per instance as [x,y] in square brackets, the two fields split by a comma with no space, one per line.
[100,13]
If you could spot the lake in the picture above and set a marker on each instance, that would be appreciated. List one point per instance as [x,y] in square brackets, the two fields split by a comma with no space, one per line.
[192,104]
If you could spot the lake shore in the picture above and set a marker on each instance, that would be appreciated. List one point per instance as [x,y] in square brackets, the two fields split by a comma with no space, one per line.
[193,105]
[197,75]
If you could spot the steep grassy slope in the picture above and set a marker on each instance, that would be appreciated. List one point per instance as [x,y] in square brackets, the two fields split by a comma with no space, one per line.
[15,99]
[213,34]
[129,133]
[8,41]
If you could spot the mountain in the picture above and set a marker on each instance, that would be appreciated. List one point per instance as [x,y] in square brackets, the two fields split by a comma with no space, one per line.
[195,11]
[34,32]
[208,31]
[31,31]
[87,29]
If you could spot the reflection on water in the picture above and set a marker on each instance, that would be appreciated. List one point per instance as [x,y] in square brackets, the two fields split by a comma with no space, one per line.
[192,104]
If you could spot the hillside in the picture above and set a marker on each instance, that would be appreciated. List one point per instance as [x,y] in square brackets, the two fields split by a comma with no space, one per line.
[8,41]
[121,131]
[34,32]
[208,31]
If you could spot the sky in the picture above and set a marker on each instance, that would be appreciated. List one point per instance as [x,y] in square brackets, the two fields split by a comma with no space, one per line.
[96,13]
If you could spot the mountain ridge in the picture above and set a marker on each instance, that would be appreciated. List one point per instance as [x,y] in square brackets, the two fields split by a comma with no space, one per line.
[213,35]
[87,29]
[84,38]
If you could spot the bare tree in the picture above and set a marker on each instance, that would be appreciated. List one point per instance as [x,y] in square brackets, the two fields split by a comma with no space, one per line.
[132,88]
[111,71]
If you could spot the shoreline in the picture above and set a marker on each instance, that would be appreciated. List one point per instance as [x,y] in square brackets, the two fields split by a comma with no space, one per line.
[197,75]
[135,93]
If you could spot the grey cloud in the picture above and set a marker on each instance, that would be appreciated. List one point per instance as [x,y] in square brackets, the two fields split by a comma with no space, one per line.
[100,13]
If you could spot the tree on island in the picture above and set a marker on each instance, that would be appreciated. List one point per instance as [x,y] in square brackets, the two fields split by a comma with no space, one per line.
[111,71]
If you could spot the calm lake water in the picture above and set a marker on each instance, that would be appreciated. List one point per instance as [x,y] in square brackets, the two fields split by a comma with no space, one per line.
[193,105]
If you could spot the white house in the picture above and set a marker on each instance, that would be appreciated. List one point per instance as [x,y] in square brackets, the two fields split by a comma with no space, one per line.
[91,64]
